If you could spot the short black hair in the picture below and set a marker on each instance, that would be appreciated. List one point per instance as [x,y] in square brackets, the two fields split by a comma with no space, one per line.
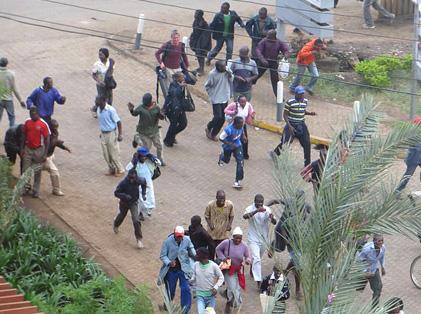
[226,3]
[319,42]
[3,62]
[202,252]
[147,99]
[131,171]
[238,119]
[195,220]
[45,80]
[105,52]
[263,9]
[33,109]
[258,196]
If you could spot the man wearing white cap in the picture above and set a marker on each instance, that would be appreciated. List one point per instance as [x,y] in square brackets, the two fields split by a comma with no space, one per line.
[259,218]
[176,252]
[234,252]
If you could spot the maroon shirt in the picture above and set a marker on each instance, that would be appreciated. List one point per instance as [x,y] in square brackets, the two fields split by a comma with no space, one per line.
[269,49]
[173,55]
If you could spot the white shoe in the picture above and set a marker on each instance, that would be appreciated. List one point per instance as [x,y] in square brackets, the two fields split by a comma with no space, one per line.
[140,244]
[220,163]
[237,185]
[58,193]
[369,26]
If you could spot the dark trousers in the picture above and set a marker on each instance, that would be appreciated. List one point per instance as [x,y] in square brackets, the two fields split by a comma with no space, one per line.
[171,284]
[178,122]
[245,144]
[410,169]
[124,208]
[254,43]
[229,42]
[201,61]
[301,132]
[274,77]
[212,250]
[336,3]
[376,286]
[215,125]
[238,154]
[105,92]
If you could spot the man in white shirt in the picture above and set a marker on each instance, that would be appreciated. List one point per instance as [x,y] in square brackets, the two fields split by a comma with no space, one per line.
[259,218]
[99,72]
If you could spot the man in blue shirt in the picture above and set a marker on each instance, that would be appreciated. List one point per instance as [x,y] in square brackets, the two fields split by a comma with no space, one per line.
[231,138]
[44,98]
[109,124]
[372,254]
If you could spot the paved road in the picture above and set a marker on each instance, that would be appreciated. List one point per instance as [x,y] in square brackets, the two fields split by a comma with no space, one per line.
[191,177]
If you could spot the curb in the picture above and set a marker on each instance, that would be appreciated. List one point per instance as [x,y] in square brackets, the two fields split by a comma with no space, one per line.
[257,123]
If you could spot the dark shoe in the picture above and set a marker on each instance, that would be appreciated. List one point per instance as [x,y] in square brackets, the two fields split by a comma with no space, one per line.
[208,62]
[175,141]
[141,217]
[35,194]
[228,308]
[168,144]
[310,92]
[246,157]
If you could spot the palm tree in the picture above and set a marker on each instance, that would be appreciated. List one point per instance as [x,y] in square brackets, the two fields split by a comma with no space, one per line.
[356,197]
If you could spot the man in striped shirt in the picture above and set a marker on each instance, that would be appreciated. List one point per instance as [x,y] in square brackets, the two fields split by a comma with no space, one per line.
[294,116]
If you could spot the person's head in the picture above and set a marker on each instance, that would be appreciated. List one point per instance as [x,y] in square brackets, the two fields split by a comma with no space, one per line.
[202,255]
[132,175]
[54,125]
[238,122]
[3,62]
[142,153]
[378,240]
[259,200]
[195,221]
[277,270]
[242,100]
[299,92]
[220,198]
[271,34]
[220,66]
[395,305]
[318,44]
[244,53]
[147,99]
[100,102]
[198,14]
[225,8]
[103,54]
[178,234]
[175,37]
[178,77]
[47,83]
[263,13]
[237,235]
[33,113]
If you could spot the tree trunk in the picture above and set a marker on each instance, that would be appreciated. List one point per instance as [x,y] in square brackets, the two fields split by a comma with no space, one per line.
[399,7]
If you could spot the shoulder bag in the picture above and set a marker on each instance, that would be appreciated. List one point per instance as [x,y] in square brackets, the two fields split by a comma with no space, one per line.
[187,102]
[109,80]
[225,265]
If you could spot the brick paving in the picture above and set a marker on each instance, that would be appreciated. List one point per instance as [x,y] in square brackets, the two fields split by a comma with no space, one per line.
[188,182]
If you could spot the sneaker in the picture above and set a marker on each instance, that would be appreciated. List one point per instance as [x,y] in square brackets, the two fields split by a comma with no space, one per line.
[220,163]
[237,185]
[35,194]
[119,174]
[58,193]
[368,26]
[140,244]
[115,229]
[208,134]
[392,16]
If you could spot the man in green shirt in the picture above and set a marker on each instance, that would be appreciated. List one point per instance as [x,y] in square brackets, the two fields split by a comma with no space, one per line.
[148,129]
[7,89]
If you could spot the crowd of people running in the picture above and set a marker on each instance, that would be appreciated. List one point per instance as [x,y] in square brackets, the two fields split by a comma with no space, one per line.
[203,260]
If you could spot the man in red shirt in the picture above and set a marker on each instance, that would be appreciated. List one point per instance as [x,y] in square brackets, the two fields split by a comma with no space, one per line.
[36,140]
[170,56]
[306,59]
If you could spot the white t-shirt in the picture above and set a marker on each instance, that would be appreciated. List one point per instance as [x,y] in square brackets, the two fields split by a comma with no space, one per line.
[100,69]
[258,224]
[243,112]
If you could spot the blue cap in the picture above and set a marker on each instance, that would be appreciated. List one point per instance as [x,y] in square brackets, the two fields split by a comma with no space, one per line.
[143,151]
[299,90]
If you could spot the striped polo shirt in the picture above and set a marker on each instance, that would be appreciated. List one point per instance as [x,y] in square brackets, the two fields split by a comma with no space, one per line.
[296,110]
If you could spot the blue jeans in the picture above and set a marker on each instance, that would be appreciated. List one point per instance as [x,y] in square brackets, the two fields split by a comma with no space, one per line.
[171,284]
[238,154]
[204,302]
[301,68]
[229,42]
[8,105]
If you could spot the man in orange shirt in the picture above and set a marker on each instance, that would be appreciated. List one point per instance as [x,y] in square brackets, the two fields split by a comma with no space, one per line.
[306,60]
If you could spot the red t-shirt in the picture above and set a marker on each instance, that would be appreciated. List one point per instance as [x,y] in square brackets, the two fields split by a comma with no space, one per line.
[36,132]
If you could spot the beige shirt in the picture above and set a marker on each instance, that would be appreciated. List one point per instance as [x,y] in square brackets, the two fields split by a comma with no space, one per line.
[219,217]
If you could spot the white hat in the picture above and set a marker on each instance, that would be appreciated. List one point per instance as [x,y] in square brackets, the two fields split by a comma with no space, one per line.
[237,231]
[179,231]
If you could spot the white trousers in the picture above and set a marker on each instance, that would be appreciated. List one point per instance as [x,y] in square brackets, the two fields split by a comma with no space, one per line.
[257,249]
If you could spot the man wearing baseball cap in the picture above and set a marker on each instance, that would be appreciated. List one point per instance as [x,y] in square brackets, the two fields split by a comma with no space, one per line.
[295,127]
[176,252]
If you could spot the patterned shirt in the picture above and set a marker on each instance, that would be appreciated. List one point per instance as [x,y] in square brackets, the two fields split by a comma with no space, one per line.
[296,110]
[219,217]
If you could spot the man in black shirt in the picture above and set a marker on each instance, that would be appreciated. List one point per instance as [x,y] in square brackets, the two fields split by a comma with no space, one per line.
[12,143]
[199,236]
